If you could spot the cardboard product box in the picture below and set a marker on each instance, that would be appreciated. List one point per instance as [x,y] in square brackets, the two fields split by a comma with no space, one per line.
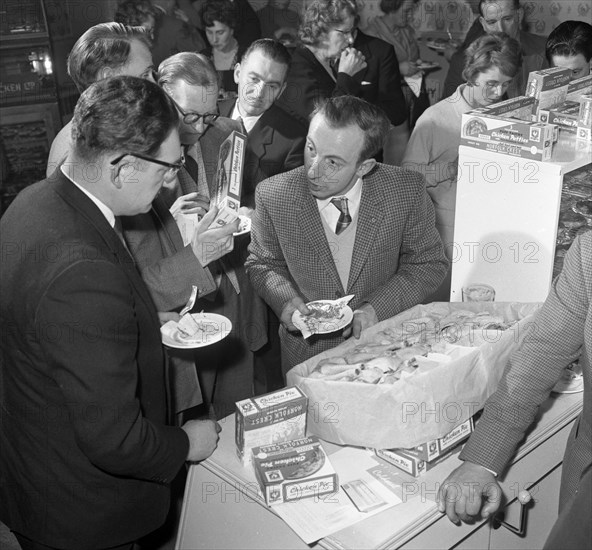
[579,87]
[565,116]
[517,107]
[584,128]
[407,462]
[437,447]
[229,175]
[293,470]
[271,418]
[548,87]
[533,140]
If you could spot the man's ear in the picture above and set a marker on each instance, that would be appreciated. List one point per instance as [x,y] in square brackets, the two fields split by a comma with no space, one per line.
[482,21]
[105,72]
[236,73]
[365,167]
[121,171]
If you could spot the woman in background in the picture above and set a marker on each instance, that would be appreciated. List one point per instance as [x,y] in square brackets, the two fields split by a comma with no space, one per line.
[394,27]
[219,20]
[491,63]
[324,63]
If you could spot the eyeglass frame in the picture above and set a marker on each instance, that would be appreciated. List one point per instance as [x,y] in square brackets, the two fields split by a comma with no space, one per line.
[194,114]
[173,168]
[351,32]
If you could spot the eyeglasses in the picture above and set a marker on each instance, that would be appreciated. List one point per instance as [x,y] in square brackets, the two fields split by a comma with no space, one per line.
[173,167]
[194,118]
[348,32]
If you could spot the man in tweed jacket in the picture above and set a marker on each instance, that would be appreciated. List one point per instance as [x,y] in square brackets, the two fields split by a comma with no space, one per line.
[392,261]
[564,333]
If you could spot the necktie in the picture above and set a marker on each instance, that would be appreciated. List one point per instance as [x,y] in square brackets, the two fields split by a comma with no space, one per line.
[118,228]
[344,218]
[242,124]
[196,169]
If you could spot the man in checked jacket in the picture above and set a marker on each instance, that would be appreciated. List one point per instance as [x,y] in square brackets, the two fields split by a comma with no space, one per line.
[380,244]
[563,333]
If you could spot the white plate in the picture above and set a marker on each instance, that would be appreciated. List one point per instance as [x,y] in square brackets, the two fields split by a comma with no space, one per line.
[325,325]
[425,66]
[244,225]
[216,328]
[570,382]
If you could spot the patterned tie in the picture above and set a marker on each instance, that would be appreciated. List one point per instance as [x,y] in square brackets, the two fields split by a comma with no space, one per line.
[196,169]
[344,218]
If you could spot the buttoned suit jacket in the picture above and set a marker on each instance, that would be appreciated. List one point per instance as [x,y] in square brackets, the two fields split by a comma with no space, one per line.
[380,81]
[86,456]
[308,82]
[397,260]
[563,332]
[274,145]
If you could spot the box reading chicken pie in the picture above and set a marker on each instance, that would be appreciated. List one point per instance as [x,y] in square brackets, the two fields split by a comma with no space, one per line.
[293,470]
[271,418]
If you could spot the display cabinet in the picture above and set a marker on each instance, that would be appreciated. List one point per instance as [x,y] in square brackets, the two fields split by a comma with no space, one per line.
[29,108]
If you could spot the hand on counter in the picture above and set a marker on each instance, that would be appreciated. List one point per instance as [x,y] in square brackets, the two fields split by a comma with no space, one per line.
[210,244]
[296,303]
[470,492]
[364,317]
[203,438]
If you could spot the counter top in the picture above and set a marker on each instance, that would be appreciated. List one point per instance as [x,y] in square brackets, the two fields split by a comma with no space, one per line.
[389,529]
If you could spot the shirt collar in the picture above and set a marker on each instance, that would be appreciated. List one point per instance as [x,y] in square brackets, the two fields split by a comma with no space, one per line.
[105,210]
[248,121]
[353,197]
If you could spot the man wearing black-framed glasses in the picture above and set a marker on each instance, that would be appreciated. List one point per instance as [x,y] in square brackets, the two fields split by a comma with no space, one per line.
[159,243]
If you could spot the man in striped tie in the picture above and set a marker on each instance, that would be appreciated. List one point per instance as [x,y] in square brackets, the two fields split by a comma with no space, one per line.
[343,224]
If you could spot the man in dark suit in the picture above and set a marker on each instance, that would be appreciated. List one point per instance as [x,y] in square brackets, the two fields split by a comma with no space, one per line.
[275,140]
[275,144]
[564,334]
[87,456]
[171,261]
[343,224]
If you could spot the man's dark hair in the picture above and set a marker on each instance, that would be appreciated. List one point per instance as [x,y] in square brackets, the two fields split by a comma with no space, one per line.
[119,114]
[222,11]
[568,39]
[104,45]
[483,2]
[270,48]
[346,110]
[134,12]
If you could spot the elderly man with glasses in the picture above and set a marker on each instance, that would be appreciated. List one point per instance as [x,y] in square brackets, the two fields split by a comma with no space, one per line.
[173,259]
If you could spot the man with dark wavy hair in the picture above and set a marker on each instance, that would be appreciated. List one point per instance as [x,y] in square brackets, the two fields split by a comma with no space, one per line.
[87,453]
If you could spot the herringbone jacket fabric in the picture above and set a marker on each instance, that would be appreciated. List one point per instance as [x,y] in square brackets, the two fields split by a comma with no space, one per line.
[397,260]
[563,331]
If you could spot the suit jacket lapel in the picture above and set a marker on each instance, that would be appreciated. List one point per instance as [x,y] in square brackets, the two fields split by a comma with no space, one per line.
[261,136]
[78,200]
[370,217]
[311,228]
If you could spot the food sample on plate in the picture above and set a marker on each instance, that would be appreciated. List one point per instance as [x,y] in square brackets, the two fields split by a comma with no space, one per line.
[189,328]
[325,316]
[397,353]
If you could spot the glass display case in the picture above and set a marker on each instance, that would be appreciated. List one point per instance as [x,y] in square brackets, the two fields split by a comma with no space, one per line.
[29,110]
